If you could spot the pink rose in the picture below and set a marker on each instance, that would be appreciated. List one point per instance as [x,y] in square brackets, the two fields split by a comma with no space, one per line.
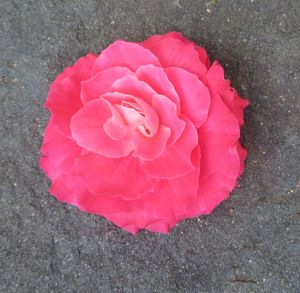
[145,134]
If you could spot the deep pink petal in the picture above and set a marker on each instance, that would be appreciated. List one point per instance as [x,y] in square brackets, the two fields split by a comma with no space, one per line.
[149,148]
[87,129]
[243,155]
[220,133]
[167,113]
[125,54]
[115,177]
[194,95]
[82,64]
[175,161]
[216,187]
[101,83]
[174,52]
[64,95]
[217,83]
[158,80]
[58,152]
[201,51]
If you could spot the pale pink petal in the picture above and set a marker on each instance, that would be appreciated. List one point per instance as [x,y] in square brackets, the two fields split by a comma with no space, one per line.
[87,130]
[149,148]
[158,80]
[175,161]
[173,52]
[121,100]
[167,113]
[125,54]
[101,83]
[194,95]
[115,177]
[132,86]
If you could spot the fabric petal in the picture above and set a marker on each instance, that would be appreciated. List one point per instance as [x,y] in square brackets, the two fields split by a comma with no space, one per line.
[87,129]
[194,95]
[175,161]
[125,54]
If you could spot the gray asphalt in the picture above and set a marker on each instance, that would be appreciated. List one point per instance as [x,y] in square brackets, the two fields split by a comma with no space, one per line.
[249,244]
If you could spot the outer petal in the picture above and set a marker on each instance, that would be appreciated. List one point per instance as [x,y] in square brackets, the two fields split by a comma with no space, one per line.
[175,161]
[58,152]
[87,129]
[115,177]
[125,54]
[194,95]
[216,187]
[174,52]
[201,51]
[101,83]
[220,133]
[217,83]
[220,160]
[64,96]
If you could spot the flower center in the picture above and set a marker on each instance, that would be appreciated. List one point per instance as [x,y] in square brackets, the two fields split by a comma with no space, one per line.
[134,116]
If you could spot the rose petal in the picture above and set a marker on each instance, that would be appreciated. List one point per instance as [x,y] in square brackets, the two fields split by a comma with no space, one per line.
[217,83]
[167,113]
[132,86]
[175,161]
[216,187]
[64,100]
[158,80]
[173,52]
[101,83]
[218,134]
[149,148]
[115,177]
[58,152]
[150,117]
[194,95]
[125,54]
[87,129]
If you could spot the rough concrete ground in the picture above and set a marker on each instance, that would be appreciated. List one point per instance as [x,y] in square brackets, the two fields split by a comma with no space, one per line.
[249,244]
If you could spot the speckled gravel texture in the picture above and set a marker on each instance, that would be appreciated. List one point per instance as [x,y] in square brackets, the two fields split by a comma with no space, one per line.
[249,244]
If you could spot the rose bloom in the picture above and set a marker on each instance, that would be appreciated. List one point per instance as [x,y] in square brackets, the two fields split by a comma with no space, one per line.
[144,134]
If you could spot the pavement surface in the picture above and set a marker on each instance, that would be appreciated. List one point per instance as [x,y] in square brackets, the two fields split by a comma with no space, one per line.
[249,244]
